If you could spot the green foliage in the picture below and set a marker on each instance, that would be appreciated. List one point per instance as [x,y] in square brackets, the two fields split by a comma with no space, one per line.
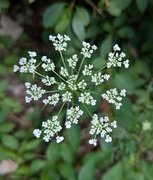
[129,156]
[56,10]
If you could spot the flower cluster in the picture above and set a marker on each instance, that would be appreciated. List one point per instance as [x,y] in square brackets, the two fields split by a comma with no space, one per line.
[101,126]
[74,87]
[113,97]
[115,59]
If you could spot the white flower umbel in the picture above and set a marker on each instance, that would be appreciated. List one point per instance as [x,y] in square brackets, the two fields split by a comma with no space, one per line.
[48,80]
[99,78]
[59,42]
[115,58]
[86,98]
[26,66]
[73,61]
[52,100]
[73,114]
[47,64]
[101,126]
[34,92]
[72,85]
[113,97]
[87,49]
[50,128]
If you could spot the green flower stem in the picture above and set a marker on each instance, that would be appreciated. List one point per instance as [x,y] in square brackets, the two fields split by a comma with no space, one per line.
[63,60]
[39,74]
[87,110]
[101,69]
[72,99]
[61,109]
[93,92]
[81,65]
[59,76]
[52,91]
[93,73]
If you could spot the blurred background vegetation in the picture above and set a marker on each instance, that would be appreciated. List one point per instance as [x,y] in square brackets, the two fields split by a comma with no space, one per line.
[25,25]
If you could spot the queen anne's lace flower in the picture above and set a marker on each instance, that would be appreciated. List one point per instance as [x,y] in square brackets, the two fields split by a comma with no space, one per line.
[87,70]
[52,100]
[47,64]
[26,66]
[99,78]
[50,128]
[59,42]
[87,49]
[113,97]
[73,114]
[102,127]
[34,92]
[70,85]
[73,61]
[86,98]
[48,80]
[115,59]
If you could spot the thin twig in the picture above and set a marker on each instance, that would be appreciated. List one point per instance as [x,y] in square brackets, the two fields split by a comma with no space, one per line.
[98,10]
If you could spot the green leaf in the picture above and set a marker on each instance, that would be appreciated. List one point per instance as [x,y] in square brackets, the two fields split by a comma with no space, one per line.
[52,14]
[74,136]
[125,115]
[78,27]
[126,32]
[53,151]
[10,141]
[31,1]
[115,7]
[3,154]
[4,4]
[87,171]
[7,127]
[30,145]
[67,171]
[37,165]
[64,22]
[142,5]
[67,152]
[99,62]
[114,172]
[122,80]
[83,14]
[10,103]
[106,46]
[3,85]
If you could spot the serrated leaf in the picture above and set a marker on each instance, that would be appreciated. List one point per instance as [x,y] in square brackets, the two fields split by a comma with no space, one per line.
[78,27]
[142,5]
[52,14]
